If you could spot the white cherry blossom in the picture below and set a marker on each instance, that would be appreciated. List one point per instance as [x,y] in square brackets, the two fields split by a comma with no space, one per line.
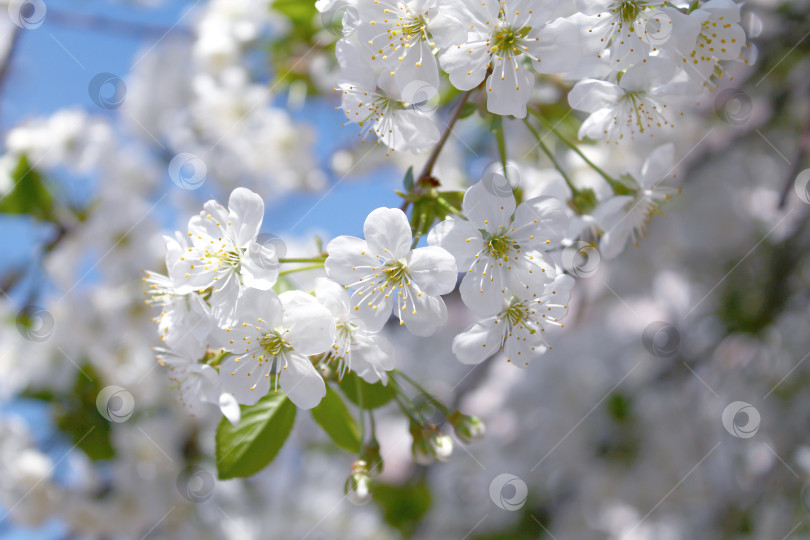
[619,26]
[386,274]
[197,384]
[402,36]
[502,36]
[706,37]
[643,102]
[626,216]
[519,329]
[368,354]
[499,247]
[224,253]
[372,100]
[274,337]
[185,319]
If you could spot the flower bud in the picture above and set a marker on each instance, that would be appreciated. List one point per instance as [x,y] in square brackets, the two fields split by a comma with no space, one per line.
[371,455]
[358,485]
[469,429]
[422,451]
[442,446]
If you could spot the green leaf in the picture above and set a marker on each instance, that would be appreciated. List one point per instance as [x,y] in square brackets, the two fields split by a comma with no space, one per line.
[405,506]
[29,195]
[336,420]
[408,181]
[374,395]
[76,415]
[467,110]
[247,448]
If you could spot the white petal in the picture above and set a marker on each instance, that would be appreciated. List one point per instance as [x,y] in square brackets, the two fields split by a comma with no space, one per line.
[529,274]
[591,95]
[522,346]
[209,383]
[388,233]
[333,296]
[245,379]
[540,223]
[557,47]
[478,342]
[658,165]
[349,259]
[224,300]
[423,314]
[466,64]
[460,238]
[377,314]
[255,304]
[489,204]
[353,64]
[260,266]
[446,30]
[246,212]
[509,89]
[301,381]
[483,288]
[611,211]
[230,408]
[371,356]
[433,269]
[311,326]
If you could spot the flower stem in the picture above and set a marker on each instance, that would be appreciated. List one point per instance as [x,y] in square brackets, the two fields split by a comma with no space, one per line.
[303,260]
[362,410]
[437,150]
[449,207]
[547,151]
[438,404]
[610,180]
[301,269]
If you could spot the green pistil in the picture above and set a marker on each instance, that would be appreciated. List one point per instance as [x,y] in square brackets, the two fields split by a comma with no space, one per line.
[629,10]
[274,343]
[396,274]
[499,246]
[506,39]
[517,314]
[413,27]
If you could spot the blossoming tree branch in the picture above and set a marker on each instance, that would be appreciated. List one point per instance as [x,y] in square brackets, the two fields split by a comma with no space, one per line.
[239,336]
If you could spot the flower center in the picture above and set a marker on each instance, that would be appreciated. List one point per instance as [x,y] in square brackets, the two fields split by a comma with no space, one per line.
[505,40]
[412,27]
[396,274]
[274,343]
[630,9]
[516,313]
[499,246]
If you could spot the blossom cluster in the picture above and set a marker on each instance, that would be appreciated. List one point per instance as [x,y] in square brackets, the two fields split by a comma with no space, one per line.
[637,64]
[230,338]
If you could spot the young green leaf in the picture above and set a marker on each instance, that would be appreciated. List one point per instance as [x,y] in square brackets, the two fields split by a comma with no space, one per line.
[336,420]
[29,194]
[374,395]
[408,181]
[247,448]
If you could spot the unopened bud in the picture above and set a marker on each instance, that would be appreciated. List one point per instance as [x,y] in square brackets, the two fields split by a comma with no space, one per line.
[371,455]
[422,451]
[442,446]
[358,485]
[469,429]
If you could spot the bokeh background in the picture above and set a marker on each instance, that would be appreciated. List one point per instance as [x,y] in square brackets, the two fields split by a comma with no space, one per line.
[673,405]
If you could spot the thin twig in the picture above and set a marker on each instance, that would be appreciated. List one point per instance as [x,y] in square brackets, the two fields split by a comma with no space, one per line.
[434,156]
